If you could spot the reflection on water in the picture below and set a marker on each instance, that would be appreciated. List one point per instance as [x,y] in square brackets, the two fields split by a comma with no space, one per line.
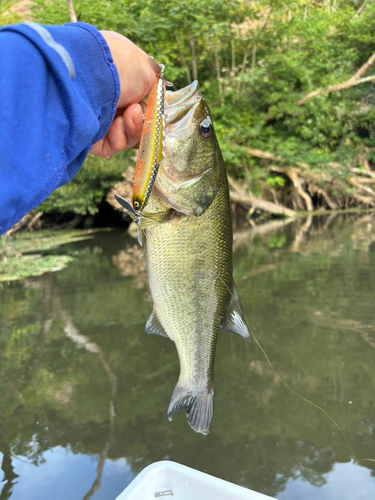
[84,390]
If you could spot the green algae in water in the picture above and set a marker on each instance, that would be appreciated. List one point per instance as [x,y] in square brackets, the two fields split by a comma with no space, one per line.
[25,266]
[15,265]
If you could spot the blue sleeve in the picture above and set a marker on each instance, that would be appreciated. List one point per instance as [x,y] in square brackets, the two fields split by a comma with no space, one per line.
[58,94]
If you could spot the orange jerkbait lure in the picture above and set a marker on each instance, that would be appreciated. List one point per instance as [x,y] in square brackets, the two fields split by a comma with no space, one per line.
[151,148]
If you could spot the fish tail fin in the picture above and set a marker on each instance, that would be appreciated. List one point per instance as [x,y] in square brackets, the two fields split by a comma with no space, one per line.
[199,403]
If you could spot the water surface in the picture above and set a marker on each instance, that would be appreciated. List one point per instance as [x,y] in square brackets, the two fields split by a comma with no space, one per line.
[84,390]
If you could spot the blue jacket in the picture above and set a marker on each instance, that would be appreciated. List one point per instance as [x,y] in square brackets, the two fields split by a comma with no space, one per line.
[58,94]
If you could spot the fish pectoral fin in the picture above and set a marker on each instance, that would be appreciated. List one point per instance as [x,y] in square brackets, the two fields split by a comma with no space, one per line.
[235,319]
[140,236]
[153,326]
[189,182]
[141,240]
[149,219]
[198,403]
[129,209]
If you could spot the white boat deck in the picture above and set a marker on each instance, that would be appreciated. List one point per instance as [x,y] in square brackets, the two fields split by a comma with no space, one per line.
[171,481]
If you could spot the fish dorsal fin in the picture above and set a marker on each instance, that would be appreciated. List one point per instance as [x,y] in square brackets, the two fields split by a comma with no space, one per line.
[153,326]
[234,319]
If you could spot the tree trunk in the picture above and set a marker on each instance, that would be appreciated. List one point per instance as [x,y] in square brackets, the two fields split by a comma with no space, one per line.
[193,58]
[72,14]
[183,60]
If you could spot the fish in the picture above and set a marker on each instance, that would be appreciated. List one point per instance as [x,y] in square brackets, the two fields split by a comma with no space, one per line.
[188,247]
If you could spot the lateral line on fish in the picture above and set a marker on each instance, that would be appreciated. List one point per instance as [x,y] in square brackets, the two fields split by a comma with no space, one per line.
[293,391]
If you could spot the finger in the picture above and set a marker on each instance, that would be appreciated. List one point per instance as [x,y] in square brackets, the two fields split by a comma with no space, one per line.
[124,133]
[115,140]
[133,122]
[130,59]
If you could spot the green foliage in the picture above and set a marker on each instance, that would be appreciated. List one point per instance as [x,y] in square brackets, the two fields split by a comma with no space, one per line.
[254,61]
[84,193]
[275,181]
[7,16]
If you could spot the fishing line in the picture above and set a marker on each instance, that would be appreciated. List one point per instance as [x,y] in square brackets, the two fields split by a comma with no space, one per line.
[283,381]
[292,390]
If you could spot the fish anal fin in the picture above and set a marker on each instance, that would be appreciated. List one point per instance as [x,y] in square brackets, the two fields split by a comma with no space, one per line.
[198,403]
[235,319]
[153,326]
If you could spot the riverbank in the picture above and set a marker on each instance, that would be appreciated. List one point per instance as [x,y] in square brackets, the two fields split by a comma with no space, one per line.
[25,254]
[297,190]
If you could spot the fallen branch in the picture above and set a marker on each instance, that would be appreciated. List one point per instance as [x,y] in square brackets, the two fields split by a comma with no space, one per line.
[367,173]
[27,221]
[266,206]
[365,200]
[264,155]
[34,220]
[366,189]
[354,80]
[364,180]
[248,200]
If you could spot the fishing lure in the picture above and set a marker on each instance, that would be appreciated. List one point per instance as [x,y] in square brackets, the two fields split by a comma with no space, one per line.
[143,219]
[151,148]
[150,154]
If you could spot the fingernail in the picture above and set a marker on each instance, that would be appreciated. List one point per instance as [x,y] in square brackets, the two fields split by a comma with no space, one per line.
[154,65]
[122,124]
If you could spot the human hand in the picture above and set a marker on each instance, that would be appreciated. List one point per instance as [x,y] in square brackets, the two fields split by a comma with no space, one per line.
[137,72]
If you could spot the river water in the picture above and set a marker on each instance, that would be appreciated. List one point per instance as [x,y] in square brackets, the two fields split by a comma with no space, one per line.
[84,390]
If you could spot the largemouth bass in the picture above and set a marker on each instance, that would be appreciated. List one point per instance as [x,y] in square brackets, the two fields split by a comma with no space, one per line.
[189,253]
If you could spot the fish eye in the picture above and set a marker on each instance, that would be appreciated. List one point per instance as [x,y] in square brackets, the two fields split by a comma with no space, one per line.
[206,128]
[136,204]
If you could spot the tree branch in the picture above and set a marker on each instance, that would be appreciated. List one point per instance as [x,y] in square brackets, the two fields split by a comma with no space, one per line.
[72,14]
[359,11]
[354,80]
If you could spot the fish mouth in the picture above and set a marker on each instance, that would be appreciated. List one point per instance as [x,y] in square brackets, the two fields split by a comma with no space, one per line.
[179,103]
[183,128]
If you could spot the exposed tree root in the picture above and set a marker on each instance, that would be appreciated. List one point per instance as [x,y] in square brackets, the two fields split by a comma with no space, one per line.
[29,222]
[309,189]
[292,173]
